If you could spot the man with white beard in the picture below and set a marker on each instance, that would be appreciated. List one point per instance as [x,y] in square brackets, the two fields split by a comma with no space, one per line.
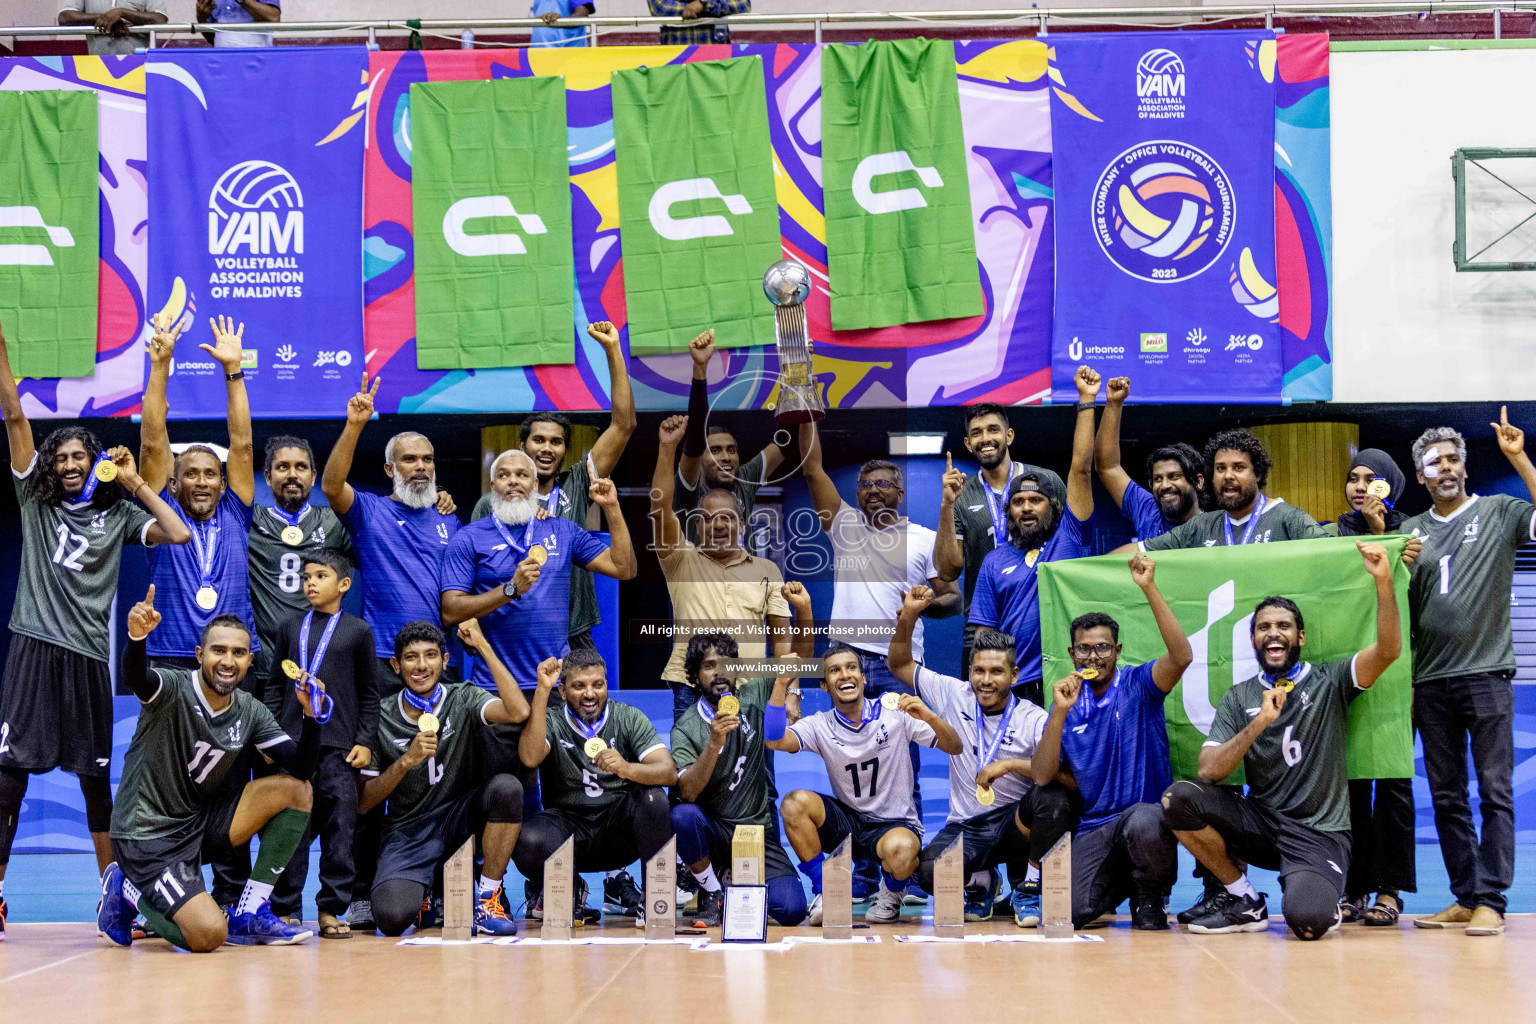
[397,541]
[511,571]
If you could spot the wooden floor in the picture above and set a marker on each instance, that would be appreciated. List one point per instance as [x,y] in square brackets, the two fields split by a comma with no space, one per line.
[57,973]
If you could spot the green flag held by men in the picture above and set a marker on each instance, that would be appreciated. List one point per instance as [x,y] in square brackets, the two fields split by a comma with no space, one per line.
[1213,591]
[698,214]
[49,222]
[901,246]
[491,203]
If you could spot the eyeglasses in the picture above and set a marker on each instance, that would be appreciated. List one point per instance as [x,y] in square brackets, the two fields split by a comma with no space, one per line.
[1089,650]
[878,485]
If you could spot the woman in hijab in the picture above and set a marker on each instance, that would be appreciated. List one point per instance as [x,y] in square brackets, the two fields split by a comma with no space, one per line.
[1381,810]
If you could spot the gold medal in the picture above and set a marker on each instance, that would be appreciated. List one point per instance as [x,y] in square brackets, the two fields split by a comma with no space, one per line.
[1378,488]
[538,554]
[1287,685]
[729,705]
[1031,557]
[293,536]
[427,723]
[1089,673]
[207,597]
[891,700]
[106,472]
[984,795]
[291,669]
[594,746]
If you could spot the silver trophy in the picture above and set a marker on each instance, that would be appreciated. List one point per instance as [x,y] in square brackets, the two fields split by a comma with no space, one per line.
[787,285]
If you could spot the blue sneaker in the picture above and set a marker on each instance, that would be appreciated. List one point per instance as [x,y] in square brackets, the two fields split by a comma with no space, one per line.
[114,914]
[1026,905]
[979,899]
[264,928]
[491,917]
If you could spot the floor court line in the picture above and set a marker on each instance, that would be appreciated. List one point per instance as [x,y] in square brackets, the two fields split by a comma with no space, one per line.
[44,967]
[579,1014]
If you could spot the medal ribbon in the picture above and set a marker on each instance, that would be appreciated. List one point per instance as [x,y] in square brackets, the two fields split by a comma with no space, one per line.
[423,704]
[205,542]
[1088,703]
[869,715]
[999,509]
[1253,521]
[291,518]
[319,700]
[985,755]
[91,481]
[506,535]
[588,731]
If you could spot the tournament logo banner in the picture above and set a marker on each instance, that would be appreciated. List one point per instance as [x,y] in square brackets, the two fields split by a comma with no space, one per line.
[1165,229]
[257,190]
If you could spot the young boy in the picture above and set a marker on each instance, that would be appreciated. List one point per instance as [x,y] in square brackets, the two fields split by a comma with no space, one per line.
[337,649]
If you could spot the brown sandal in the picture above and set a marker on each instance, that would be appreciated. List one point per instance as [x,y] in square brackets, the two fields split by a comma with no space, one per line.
[1382,914]
[335,929]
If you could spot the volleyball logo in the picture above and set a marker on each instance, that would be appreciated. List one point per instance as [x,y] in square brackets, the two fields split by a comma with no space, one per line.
[1163,211]
[258,207]
[1160,85]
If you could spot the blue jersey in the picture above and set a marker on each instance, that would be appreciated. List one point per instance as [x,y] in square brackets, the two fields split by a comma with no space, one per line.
[175,571]
[398,549]
[1117,746]
[1145,514]
[1007,595]
[544,35]
[523,632]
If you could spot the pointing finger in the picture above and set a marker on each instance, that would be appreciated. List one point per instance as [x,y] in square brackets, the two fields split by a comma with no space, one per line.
[149,598]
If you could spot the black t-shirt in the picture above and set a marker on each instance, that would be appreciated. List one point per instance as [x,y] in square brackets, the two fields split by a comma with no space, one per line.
[350,673]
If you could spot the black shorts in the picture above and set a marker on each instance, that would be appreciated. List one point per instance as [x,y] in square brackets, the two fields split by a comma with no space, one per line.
[990,838]
[55,710]
[722,836]
[605,836]
[414,849]
[843,821]
[169,872]
[1258,835]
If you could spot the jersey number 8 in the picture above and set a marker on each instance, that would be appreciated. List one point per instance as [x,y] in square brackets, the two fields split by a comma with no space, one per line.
[289,568]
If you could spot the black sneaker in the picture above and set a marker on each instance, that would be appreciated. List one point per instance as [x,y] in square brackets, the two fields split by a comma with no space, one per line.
[535,907]
[1233,914]
[1213,894]
[711,909]
[581,914]
[1149,912]
[620,896]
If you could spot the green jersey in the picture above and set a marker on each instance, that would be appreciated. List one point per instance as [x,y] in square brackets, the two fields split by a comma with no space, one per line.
[277,569]
[1297,766]
[739,790]
[750,475]
[70,553]
[571,503]
[1278,521]
[568,778]
[181,752]
[447,774]
[1460,589]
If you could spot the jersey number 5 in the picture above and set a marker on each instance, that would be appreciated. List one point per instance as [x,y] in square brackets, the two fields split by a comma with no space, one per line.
[589,784]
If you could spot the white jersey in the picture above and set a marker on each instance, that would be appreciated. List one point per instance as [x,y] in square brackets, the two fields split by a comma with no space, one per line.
[955,702]
[869,765]
[872,569]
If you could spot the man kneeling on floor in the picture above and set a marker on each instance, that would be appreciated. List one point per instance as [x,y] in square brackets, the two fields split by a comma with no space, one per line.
[1286,727]
[173,812]
[424,764]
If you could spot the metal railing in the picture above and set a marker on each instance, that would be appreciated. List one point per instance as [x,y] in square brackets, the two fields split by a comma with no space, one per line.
[1038,17]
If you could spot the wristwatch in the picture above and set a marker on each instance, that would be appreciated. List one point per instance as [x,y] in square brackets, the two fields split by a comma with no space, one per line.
[511,591]
[237,375]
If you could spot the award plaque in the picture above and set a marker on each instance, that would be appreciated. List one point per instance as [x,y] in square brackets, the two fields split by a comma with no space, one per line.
[949,890]
[787,285]
[459,893]
[746,914]
[559,881]
[1056,890]
[747,846]
[837,892]
[661,893]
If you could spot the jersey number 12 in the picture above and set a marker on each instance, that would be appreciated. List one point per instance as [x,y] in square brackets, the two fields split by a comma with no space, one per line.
[72,559]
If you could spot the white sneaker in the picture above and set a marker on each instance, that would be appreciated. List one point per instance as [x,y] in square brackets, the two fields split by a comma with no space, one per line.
[813,915]
[884,907]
